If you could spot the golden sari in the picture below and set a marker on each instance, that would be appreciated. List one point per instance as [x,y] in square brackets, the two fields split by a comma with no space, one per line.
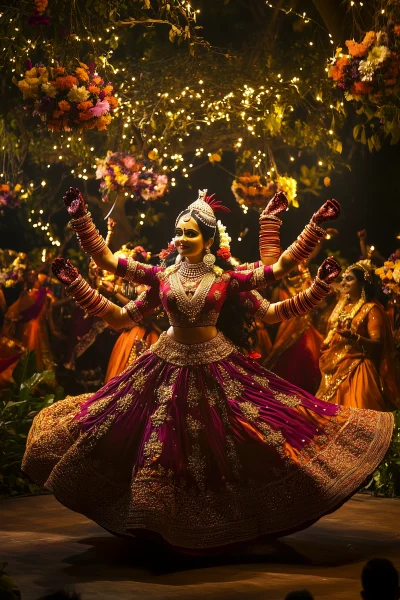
[26,322]
[129,345]
[357,377]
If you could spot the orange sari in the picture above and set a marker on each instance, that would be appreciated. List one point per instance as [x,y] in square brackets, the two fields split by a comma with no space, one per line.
[31,332]
[129,346]
[357,378]
[295,353]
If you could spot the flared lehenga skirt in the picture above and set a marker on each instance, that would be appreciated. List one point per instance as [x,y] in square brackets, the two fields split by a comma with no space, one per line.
[204,447]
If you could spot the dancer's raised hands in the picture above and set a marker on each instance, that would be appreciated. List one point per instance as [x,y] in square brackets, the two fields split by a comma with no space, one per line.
[64,270]
[328,212]
[75,203]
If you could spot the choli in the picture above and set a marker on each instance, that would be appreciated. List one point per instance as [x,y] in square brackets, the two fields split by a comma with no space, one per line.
[191,294]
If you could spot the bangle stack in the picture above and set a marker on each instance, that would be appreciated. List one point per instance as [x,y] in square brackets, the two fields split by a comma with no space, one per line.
[270,246]
[302,302]
[306,242]
[88,236]
[88,298]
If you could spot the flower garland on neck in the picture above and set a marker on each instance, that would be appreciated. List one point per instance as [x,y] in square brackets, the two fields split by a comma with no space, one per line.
[340,314]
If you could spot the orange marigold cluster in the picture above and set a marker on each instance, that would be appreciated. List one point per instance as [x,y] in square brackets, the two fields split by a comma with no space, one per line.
[40,6]
[66,83]
[358,50]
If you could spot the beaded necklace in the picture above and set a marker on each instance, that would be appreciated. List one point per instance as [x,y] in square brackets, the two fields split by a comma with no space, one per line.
[190,285]
[340,314]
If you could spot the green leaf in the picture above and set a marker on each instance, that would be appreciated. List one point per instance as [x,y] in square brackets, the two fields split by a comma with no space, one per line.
[363,138]
[356,132]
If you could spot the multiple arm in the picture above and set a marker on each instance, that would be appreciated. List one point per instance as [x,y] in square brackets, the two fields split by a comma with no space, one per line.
[297,305]
[97,305]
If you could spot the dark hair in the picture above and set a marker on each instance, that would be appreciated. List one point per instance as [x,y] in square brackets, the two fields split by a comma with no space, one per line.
[233,320]
[372,289]
[379,579]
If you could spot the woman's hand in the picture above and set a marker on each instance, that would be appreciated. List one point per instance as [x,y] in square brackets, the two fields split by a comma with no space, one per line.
[276,205]
[328,212]
[329,270]
[344,330]
[107,287]
[64,271]
[75,203]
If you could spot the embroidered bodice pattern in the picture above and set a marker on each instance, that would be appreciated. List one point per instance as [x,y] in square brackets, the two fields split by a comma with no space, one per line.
[201,305]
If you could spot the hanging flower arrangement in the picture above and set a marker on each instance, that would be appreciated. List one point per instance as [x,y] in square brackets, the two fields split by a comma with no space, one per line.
[255,191]
[68,100]
[390,277]
[123,173]
[11,196]
[369,68]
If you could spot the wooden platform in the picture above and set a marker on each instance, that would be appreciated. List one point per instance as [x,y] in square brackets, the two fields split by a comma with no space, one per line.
[49,547]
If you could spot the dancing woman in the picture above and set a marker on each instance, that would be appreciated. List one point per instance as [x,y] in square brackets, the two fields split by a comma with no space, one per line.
[196,442]
[358,358]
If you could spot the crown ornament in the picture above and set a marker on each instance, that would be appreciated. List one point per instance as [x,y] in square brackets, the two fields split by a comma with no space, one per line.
[204,207]
[362,265]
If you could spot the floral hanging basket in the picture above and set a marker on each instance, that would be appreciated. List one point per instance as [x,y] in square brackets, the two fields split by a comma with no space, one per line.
[390,277]
[368,70]
[255,191]
[123,173]
[68,99]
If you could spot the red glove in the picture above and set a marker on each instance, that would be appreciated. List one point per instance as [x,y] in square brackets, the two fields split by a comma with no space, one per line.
[328,212]
[75,203]
[64,271]
[276,205]
[329,270]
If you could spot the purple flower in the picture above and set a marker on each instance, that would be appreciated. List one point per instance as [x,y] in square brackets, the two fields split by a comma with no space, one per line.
[102,95]
[45,104]
[341,86]
[39,20]
[92,67]
[28,65]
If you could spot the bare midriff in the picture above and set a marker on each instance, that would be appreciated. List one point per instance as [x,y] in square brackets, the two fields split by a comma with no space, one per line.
[192,335]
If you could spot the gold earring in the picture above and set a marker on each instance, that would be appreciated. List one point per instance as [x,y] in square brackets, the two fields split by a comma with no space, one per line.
[209,259]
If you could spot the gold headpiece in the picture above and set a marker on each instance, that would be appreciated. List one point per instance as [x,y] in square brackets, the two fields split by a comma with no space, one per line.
[362,265]
[204,212]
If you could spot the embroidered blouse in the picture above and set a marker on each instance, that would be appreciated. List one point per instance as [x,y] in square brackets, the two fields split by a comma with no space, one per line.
[203,307]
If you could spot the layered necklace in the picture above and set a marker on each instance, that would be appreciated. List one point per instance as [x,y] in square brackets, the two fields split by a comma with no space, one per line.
[190,285]
[340,314]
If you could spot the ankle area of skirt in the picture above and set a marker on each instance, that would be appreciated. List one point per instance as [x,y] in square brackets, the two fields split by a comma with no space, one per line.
[184,355]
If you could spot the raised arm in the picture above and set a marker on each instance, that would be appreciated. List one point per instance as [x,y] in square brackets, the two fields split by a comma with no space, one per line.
[93,244]
[306,242]
[88,236]
[99,306]
[298,305]
[270,224]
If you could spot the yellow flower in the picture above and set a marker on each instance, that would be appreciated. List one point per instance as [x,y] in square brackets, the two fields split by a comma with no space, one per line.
[17,187]
[153,154]
[121,179]
[49,90]
[78,94]
[327,181]
[214,157]
[28,91]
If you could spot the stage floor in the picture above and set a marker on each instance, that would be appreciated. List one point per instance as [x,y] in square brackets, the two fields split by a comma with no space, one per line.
[48,547]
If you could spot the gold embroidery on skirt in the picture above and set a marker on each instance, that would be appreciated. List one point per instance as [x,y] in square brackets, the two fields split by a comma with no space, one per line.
[152,448]
[286,399]
[99,406]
